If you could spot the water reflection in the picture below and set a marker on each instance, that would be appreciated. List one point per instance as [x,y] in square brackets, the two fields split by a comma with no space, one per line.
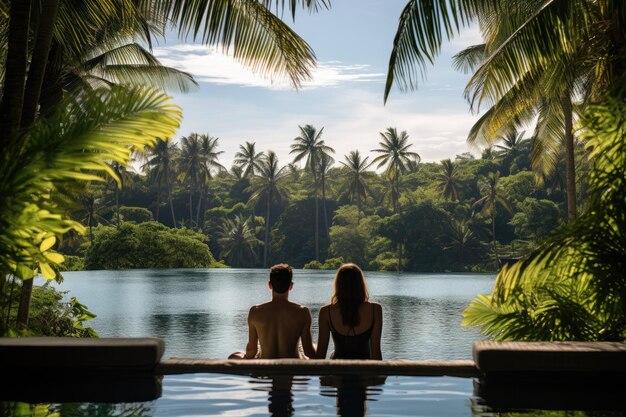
[279,388]
[352,392]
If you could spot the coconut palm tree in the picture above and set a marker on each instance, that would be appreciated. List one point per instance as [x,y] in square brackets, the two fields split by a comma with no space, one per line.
[248,158]
[210,156]
[394,152]
[325,164]
[460,239]
[238,242]
[356,184]
[448,180]
[268,185]
[160,168]
[573,285]
[191,166]
[490,199]
[311,147]
[537,57]
[124,178]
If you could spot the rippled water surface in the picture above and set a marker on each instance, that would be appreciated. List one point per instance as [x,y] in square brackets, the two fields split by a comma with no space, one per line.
[202,312]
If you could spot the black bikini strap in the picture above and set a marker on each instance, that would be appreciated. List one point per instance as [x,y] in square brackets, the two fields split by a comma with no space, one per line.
[330,321]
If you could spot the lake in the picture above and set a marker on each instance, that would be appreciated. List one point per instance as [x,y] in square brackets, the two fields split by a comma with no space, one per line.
[203,312]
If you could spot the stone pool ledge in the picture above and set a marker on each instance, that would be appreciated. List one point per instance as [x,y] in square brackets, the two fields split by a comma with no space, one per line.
[460,368]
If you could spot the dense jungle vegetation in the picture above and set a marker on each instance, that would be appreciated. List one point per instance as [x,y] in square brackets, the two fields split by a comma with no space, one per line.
[456,215]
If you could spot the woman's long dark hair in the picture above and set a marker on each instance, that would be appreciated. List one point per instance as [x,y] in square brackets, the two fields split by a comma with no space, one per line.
[350,293]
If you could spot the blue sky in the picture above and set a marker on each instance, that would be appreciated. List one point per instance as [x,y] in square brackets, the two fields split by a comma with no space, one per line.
[352,42]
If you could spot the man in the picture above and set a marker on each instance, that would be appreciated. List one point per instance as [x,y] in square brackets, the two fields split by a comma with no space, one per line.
[279,324]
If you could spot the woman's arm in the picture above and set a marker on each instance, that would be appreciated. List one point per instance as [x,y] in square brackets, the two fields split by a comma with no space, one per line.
[377,331]
[324,332]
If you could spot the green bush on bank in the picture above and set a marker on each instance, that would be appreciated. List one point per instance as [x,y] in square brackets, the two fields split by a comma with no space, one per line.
[147,245]
[50,314]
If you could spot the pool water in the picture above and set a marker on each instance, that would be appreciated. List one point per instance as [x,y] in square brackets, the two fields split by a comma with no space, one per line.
[235,395]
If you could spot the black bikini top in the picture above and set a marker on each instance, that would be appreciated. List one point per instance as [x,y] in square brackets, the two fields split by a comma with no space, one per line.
[355,346]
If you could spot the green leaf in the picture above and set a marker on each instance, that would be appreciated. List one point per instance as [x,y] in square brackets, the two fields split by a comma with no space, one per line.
[47,243]
[47,272]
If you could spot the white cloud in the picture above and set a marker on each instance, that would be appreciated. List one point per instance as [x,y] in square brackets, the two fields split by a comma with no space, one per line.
[467,37]
[352,119]
[208,64]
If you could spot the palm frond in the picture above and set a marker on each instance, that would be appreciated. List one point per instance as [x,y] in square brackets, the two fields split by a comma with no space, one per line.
[77,143]
[257,38]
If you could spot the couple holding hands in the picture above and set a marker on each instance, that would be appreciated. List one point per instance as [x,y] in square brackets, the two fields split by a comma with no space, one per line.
[278,326]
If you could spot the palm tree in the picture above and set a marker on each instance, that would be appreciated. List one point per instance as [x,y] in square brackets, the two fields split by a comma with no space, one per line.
[248,158]
[512,144]
[573,284]
[448,180]
[124,178]
[210,156]
[325,164]
[461,239]
[160,168]
[489,154]
[268,185]
[535,60]
[356,184]
[309,145]
[258,38]
[490,199]
[191,166]
[238,241]
[394,152]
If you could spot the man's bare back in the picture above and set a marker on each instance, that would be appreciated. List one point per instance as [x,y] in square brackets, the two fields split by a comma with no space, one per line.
[277,326]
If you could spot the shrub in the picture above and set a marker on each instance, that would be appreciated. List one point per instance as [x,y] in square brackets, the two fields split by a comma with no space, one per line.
[147,245]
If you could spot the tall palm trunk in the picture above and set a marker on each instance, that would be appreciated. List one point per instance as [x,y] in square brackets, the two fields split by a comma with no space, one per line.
[317,237]
[569,157]
[190,207]
[394,199]
[158,205]
[14,69]
[199,206]
[169,196]
[324,210]
[267,230]
[493,235]
[39,60]
[117,206]
[24,308]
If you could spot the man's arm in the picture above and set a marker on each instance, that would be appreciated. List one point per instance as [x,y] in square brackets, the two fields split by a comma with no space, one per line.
[307,339]
[253,336]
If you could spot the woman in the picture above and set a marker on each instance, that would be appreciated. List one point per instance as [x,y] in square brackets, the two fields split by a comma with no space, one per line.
[354,322]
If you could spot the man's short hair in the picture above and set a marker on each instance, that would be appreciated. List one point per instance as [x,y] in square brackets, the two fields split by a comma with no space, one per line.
[281,276]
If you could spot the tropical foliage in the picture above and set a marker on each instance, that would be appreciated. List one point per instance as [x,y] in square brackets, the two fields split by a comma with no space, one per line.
[574,286]
[147,245]
[269,216]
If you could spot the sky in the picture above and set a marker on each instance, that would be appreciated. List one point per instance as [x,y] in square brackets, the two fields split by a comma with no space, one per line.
[352,41]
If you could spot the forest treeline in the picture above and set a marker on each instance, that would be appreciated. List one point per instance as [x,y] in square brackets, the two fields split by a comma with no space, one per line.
[387,211]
